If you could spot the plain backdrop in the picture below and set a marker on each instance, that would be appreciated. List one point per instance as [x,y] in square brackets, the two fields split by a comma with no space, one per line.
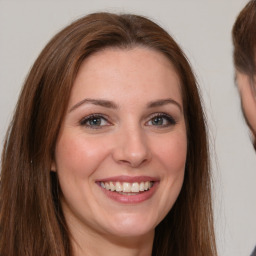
[203,29]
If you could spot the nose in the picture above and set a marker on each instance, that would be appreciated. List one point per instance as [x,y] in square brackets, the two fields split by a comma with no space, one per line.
[131,148]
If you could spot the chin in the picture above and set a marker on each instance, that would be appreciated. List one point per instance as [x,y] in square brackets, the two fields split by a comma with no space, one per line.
[130,232]
[132,226]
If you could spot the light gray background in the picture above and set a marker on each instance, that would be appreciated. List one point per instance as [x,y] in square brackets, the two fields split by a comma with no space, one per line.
[202,28]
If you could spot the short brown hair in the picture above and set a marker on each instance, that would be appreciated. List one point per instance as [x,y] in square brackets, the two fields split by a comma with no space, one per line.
[31,220]
[244,40]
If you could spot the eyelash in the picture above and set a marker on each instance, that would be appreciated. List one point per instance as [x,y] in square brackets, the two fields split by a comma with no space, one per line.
[84,122]
[170,120]
[92,117]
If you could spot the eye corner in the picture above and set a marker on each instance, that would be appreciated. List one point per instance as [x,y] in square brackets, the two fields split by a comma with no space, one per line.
[161,120]
[95,121]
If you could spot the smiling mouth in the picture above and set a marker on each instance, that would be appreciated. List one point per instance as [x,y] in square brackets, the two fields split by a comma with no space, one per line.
[127,188]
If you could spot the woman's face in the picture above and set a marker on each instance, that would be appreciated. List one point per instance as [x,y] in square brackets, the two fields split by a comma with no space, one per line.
[248,100]
[121,151]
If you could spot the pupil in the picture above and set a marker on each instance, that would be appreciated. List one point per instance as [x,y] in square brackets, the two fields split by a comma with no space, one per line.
[158,121]
[95,121]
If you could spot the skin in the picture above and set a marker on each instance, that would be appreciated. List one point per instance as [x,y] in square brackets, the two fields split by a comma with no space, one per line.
[247,100]
[126,140]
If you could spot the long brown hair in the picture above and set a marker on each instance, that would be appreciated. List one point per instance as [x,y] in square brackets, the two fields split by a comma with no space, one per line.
[31,218]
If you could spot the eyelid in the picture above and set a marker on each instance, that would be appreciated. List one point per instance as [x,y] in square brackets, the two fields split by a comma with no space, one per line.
[85,119]
[172,121]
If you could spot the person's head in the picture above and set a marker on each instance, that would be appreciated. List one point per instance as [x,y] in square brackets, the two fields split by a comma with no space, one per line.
[110,97]
[244,40]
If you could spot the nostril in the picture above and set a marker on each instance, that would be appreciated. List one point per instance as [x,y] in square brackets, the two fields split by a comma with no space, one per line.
[132,149]
[133,162]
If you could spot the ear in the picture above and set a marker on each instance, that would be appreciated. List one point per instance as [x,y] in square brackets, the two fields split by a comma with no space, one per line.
[53,166]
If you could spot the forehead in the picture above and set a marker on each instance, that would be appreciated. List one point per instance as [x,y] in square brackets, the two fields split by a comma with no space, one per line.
[133,71]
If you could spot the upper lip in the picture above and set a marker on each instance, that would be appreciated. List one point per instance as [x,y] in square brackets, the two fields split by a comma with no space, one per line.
[130,179]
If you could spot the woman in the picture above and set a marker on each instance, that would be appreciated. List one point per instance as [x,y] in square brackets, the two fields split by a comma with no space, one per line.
[244,40]
[107,152]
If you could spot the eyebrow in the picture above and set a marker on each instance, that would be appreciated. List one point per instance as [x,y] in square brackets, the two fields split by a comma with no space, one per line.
[97,102]
[112,105]
[162,102]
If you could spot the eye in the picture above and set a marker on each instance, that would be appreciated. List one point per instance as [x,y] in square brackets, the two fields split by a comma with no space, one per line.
[94,121]
[162,120]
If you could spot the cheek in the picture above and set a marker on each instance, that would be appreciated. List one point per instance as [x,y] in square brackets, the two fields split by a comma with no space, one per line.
[248,100]
[172,153]
[249,107]
[76,155]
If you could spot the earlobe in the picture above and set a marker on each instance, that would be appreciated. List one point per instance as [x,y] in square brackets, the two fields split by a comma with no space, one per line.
[53,166]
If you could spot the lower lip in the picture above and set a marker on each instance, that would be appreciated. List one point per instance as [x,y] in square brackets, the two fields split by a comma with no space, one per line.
[131,199]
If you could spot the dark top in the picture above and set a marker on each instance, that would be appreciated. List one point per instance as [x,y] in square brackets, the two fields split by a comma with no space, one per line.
[254,252]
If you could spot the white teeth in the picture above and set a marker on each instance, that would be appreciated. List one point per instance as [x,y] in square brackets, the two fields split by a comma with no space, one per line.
[119,187]
[112,187]
[102,184]
[126,187]
[107,186]
[135,187]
